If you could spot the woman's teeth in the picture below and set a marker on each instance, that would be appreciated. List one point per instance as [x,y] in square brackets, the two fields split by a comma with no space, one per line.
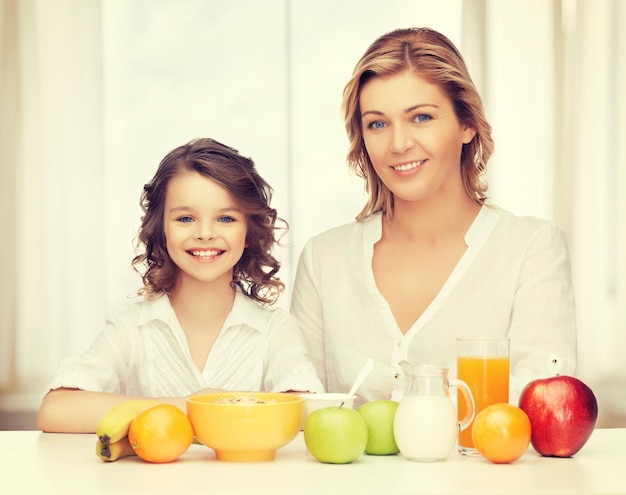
[408,166]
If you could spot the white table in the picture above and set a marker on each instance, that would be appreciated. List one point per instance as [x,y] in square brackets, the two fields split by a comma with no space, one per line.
[44,463]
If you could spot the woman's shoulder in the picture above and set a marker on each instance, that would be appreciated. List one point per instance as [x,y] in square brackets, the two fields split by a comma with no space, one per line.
[351,231]
[513,225]
[255,314]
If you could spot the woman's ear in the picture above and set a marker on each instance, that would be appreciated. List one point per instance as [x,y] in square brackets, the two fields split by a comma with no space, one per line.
[468,134]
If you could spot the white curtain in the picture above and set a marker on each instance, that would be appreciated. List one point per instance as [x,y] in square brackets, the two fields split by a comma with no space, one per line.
[594,167]
[93,93]
[52,171]
[9,111]
[101,90]
[553,76]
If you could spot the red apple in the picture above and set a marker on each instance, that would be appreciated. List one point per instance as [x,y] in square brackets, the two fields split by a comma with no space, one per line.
[562,412]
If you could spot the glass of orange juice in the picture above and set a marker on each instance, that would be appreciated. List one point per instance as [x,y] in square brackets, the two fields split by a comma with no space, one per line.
[484,365]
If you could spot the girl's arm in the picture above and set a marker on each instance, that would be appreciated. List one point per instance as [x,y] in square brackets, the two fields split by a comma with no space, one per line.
[70,410]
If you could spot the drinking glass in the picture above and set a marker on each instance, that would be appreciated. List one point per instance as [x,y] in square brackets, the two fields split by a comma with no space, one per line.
[484,365]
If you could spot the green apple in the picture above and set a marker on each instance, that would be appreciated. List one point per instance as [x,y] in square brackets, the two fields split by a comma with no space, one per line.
[336,435]
[378,416]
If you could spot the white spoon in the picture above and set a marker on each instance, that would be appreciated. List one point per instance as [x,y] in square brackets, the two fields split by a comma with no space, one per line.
[365,370]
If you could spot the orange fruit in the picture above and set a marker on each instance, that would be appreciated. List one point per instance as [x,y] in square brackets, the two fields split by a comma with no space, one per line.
[501,433]
[161,433]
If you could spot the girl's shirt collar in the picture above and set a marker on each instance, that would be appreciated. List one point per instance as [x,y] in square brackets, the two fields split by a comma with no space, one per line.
[244,312]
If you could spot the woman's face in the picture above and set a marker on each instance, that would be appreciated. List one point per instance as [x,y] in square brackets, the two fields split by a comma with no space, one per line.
[413,137]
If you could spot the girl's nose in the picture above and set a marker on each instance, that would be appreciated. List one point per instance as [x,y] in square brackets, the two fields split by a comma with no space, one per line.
[204,233]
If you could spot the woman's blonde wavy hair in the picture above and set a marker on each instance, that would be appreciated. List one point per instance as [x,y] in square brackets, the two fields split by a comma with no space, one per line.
[434,57]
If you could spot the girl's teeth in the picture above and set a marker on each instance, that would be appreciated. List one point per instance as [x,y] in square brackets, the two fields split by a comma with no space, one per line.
[205,254]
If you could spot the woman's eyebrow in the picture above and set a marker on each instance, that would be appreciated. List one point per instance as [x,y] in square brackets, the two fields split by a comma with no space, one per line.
[407,110]
[420,105]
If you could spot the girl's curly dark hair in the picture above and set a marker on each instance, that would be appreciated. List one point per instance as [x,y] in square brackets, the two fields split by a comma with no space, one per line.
[255,272]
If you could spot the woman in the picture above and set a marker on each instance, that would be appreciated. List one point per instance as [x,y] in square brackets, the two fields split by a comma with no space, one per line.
[428,259]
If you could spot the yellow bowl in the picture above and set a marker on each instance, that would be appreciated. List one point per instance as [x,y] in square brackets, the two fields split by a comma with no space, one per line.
[245,432]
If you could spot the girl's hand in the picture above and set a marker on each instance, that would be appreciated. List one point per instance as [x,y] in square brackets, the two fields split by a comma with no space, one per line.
[209,391]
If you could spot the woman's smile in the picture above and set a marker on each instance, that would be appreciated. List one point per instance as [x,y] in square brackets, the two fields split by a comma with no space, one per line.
[408,166]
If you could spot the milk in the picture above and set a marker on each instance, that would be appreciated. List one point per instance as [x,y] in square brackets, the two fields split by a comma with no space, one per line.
[425,427]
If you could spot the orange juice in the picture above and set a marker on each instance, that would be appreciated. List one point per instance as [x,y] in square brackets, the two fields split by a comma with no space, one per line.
[488,379]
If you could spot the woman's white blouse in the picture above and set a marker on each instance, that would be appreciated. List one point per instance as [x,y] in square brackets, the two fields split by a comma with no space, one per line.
[143,351]
[514,280]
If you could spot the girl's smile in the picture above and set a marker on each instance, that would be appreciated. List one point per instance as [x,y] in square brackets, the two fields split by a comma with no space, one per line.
[205,255]
[205,229]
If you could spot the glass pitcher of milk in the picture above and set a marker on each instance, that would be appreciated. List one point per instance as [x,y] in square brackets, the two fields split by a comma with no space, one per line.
[425,425]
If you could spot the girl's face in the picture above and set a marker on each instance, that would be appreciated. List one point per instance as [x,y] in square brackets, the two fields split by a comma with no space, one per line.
[413,136]
[205,228]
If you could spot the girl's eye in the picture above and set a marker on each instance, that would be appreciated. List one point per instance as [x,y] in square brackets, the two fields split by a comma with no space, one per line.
[185,219]
[422,117]
[225,219]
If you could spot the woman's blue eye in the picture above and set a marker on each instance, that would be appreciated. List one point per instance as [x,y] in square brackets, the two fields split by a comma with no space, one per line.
[377,125]
[422,118]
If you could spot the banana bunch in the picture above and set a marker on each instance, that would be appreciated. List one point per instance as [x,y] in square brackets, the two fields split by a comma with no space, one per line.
[114,451]
[112,430]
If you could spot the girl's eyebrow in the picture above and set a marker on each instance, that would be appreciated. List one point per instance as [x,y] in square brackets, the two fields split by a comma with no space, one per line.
[179,208]
[236,209]
[407,110]
[187,208]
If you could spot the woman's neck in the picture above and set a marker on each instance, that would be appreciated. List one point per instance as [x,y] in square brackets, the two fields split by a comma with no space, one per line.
[431,220]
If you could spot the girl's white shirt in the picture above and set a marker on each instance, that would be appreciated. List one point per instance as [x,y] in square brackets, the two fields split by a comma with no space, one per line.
[514,280]
[143,351]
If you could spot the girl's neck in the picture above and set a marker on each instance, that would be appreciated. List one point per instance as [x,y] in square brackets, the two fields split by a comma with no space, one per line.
[193,300]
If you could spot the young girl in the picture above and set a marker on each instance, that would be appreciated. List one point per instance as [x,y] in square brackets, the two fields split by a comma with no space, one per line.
[203,324]
[428,259]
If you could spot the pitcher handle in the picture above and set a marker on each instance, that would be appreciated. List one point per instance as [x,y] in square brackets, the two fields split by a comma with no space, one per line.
[469,400]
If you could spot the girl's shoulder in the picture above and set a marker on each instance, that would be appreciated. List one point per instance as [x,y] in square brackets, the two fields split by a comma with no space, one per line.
[142,310]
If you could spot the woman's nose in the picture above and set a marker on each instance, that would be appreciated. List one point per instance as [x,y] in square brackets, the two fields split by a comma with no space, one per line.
[401,139]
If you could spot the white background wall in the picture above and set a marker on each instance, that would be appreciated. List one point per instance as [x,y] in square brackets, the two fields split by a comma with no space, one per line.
[263,77]
[95,92]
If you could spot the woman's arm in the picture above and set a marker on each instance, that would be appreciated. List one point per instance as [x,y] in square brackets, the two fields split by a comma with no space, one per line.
[543,321]
[288,369]
[307,309]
